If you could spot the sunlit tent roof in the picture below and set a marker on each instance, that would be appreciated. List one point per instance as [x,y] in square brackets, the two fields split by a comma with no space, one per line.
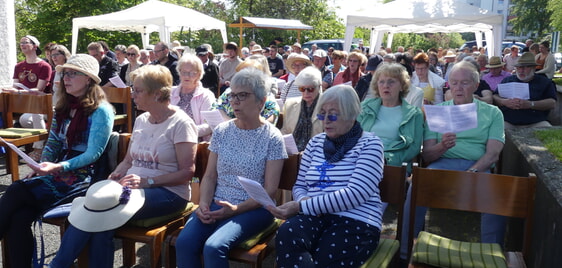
[147,17]
[427,16]
[265,23]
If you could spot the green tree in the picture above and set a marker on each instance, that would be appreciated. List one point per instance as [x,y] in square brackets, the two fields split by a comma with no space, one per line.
[532,16]
[555,6]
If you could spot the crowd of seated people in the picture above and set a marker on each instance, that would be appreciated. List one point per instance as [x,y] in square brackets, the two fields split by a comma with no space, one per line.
[314,96]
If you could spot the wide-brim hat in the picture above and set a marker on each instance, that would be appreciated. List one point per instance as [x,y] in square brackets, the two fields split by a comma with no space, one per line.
[450,54]
[106,206]
[527,59]
[495,62]
[83,63]
[373,62]
[297,57]
[257,48]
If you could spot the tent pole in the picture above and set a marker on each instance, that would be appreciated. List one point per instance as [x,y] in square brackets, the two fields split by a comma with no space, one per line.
[299,36]
[241,29]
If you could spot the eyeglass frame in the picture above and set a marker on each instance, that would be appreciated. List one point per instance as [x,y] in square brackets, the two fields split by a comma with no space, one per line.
[309,89]
[239,96]
[331,117]
[72,74]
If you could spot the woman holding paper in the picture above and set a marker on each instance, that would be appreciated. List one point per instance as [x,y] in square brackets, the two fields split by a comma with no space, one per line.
[335,218]
[431,83]
[79,133]
[247,146]
[191,96]
[473,150]
[397,123]
[298,117]
[160,163]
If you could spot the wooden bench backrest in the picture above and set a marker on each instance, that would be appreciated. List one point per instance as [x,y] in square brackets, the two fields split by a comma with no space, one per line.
[26,103]
[504,195]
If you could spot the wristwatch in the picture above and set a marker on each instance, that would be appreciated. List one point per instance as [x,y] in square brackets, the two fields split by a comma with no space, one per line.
[472,170]
[532,104]
[150,181]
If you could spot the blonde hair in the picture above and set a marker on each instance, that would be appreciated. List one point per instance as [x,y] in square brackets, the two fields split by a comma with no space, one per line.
[394,70]
[156,79]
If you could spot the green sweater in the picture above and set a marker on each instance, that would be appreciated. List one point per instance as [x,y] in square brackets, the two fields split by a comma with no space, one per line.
[410,131]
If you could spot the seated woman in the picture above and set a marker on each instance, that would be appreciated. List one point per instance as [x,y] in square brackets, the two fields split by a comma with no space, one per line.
[397,123]
[59,56]
[271,109]
[133,55]
[431,83]
[246,146]
[79,133]
[352,73]
[335,220]
[298,117]
[191,96]
[474,150]
[160,161]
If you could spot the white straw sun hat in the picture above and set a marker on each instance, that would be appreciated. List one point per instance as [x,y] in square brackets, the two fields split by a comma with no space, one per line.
[83,63]
[106,206]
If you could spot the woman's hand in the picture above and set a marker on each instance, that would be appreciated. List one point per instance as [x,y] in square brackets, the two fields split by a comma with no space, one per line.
[449,140]
[132,181]
[285,211]
[203,214]
[228,210]
[115,176]
[46,168]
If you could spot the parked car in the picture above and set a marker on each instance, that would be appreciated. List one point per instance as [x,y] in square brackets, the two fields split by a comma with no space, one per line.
[324,44]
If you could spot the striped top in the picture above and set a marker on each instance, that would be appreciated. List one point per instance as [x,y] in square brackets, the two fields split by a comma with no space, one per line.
[349,187]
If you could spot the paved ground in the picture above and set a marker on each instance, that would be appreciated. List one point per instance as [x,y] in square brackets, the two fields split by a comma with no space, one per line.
[453,220]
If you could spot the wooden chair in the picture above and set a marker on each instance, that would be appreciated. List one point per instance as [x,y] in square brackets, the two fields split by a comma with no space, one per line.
[393,191]
[154,235]
[18,104]
[504,195]
[259,250]
[122,96]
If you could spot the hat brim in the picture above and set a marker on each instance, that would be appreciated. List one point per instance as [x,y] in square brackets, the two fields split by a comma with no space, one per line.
[60,68]
[291,60]
[495,66]
[89,221]
[525,64]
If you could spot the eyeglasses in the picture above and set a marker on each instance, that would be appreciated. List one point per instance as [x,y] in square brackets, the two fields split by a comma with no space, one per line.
[189,74]
[136,91]
[53,55]
[294,65]
[72,74]
[131,54]
[239,97]
[309,89]
[331,117]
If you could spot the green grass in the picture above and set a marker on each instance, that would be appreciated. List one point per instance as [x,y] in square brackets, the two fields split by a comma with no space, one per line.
[552,140]
[557,80]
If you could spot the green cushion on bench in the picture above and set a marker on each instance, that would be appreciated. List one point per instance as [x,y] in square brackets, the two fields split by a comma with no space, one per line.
[149,222]
[17,133]
[383,255]
[119,116]
[252,241]
[443,252]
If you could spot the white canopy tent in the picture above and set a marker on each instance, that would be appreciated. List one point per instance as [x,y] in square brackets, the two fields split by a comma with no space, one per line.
[427,16]
[147,17]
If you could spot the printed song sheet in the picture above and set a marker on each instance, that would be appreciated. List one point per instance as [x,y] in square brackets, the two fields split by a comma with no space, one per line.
[117,82]
[451,118]
[514,90]
[213,118]
[23,155]
[256,191]
[290,144]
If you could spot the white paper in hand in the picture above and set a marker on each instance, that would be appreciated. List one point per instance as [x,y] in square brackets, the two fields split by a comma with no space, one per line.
[256,191]
[451,118]
[23,155]
[213,118]
[290,144]
[117,82]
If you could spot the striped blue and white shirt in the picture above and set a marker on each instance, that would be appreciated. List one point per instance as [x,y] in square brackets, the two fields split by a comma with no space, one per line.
[349,187]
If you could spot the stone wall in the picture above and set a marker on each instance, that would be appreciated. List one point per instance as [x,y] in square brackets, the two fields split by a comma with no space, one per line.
[523,153]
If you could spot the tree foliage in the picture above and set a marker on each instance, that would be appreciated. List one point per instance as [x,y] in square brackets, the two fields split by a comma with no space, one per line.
[532,16]
[555,6]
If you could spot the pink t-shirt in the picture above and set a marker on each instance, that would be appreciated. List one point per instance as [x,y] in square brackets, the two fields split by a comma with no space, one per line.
[153,147]
[29,74]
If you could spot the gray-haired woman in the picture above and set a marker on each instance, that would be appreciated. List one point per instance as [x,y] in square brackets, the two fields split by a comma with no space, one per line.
[298,116]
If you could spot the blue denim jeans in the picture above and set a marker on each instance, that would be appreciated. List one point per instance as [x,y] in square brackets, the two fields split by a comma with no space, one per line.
[492,227]
[214,241]
[158,202]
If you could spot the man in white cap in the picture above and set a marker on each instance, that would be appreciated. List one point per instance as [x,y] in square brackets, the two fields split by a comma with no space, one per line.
[319,58]
[532,112]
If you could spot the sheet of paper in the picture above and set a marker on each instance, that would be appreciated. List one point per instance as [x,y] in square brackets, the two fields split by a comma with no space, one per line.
[256,191]
[514,90]
[290,144]
[20,85]
[23,155]
[348,83]
[280,103]
[451,118]
[213,118]
[117,82]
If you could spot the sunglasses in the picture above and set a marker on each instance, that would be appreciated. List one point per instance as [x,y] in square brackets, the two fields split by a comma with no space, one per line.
[131,54]
[331,117]
[309,89]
